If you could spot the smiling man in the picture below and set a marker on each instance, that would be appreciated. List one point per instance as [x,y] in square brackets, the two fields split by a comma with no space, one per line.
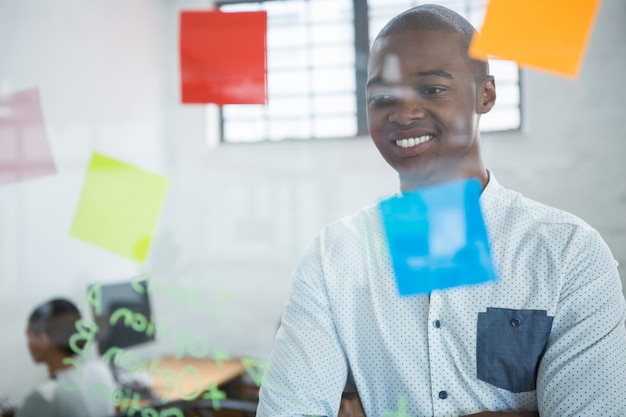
[547,338]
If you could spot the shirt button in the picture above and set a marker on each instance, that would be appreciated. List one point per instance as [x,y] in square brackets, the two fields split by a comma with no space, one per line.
[516,322]
[436,324]
[443,395]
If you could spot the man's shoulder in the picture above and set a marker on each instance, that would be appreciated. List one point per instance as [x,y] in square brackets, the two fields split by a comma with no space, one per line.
[515,208]
[39,400]
[355,223]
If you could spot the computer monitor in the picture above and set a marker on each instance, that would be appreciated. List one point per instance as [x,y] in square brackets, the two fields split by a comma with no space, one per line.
[123,314]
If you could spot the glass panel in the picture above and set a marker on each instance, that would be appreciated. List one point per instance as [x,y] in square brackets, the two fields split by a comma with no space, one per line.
[331,127]
[250,131]
[290,129]
[333,56]
[507,95]
[506,114]
[334,104]
[243,7]
[330,10]
[288,58]
[288,82]
[503,70]
[285,12]
[305,99]
[278,37]
[332,33]
[333,80]
[289,107]
[503,119]
[249,111]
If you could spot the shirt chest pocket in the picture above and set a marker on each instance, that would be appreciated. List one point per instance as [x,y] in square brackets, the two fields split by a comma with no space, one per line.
[510,345]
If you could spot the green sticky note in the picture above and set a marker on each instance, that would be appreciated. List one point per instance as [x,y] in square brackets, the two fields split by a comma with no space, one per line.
[119,207]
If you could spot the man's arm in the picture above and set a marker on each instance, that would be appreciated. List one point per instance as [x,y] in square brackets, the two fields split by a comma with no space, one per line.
[584,367]
[307,370]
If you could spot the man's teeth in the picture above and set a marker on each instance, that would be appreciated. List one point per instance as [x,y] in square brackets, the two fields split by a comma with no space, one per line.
[407,143]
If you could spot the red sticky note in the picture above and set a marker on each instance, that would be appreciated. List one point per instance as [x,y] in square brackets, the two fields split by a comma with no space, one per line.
[24,149]
[223,57]
[547,35]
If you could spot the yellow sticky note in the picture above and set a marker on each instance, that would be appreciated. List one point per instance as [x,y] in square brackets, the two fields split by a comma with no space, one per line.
[119,207]
[550,35]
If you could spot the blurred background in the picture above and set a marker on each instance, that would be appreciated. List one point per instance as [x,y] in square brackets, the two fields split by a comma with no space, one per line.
[251,185]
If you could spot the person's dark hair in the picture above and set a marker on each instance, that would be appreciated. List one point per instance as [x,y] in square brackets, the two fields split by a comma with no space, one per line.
[57,318]
[434,17]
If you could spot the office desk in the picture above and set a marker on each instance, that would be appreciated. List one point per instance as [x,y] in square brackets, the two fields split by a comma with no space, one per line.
[188,377]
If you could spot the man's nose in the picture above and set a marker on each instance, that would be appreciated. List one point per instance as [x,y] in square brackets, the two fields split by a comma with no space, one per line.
[408,109]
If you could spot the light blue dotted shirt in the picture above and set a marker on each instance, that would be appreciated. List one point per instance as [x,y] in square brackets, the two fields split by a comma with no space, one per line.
[548,335]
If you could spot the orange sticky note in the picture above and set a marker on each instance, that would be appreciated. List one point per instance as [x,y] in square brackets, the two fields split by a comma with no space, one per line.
[549,35]
[223,57]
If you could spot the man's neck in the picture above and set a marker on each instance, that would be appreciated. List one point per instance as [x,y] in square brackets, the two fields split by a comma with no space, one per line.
[407,183]
[55,363]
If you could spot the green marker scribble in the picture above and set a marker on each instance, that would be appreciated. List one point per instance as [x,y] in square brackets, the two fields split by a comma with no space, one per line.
[288,394]
[220,356]
[86,332]
[171,412]
[94,298]
[136,321]
[255,368]
[112,353]
[129,402]
[402,403]
[149,412]
[203,348]
[137,284]
[73,362]
[215,395]
[198,381]
[131,361]
[104,390]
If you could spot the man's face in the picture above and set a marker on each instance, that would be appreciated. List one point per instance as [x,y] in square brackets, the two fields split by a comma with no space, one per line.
[423,106]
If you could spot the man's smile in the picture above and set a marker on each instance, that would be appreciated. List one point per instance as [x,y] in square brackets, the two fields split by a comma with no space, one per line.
[410,142]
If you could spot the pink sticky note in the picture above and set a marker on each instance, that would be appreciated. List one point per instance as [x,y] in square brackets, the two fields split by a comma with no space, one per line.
[24,149]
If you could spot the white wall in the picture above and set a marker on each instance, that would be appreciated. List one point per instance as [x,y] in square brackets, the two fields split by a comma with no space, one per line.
[238,217]
[97,68]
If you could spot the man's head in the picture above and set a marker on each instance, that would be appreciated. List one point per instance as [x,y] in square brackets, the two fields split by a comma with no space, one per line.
[425,97]
[50,327]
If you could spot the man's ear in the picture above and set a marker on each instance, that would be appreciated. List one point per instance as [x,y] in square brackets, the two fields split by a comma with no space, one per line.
[486,95]
[45,341]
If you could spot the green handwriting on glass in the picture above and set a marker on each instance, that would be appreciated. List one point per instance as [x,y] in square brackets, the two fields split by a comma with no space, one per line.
[190,298]
[196,345]
[127,401]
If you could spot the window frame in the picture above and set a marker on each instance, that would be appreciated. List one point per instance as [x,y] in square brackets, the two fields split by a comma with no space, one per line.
[361,42]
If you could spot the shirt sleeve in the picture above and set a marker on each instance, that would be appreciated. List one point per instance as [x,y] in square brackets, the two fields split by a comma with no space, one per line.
[584,367]
[307,369]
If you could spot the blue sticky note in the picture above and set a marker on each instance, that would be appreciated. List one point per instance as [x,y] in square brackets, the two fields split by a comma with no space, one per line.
[437,237]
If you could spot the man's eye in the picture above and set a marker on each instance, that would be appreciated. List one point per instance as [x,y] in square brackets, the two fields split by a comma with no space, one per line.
[381,98]
[431,91]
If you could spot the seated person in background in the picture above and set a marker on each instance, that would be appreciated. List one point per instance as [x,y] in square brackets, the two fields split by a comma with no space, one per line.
[76,388]
[546,339]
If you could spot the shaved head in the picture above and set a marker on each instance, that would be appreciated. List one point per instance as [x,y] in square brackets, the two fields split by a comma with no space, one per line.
[431,17]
